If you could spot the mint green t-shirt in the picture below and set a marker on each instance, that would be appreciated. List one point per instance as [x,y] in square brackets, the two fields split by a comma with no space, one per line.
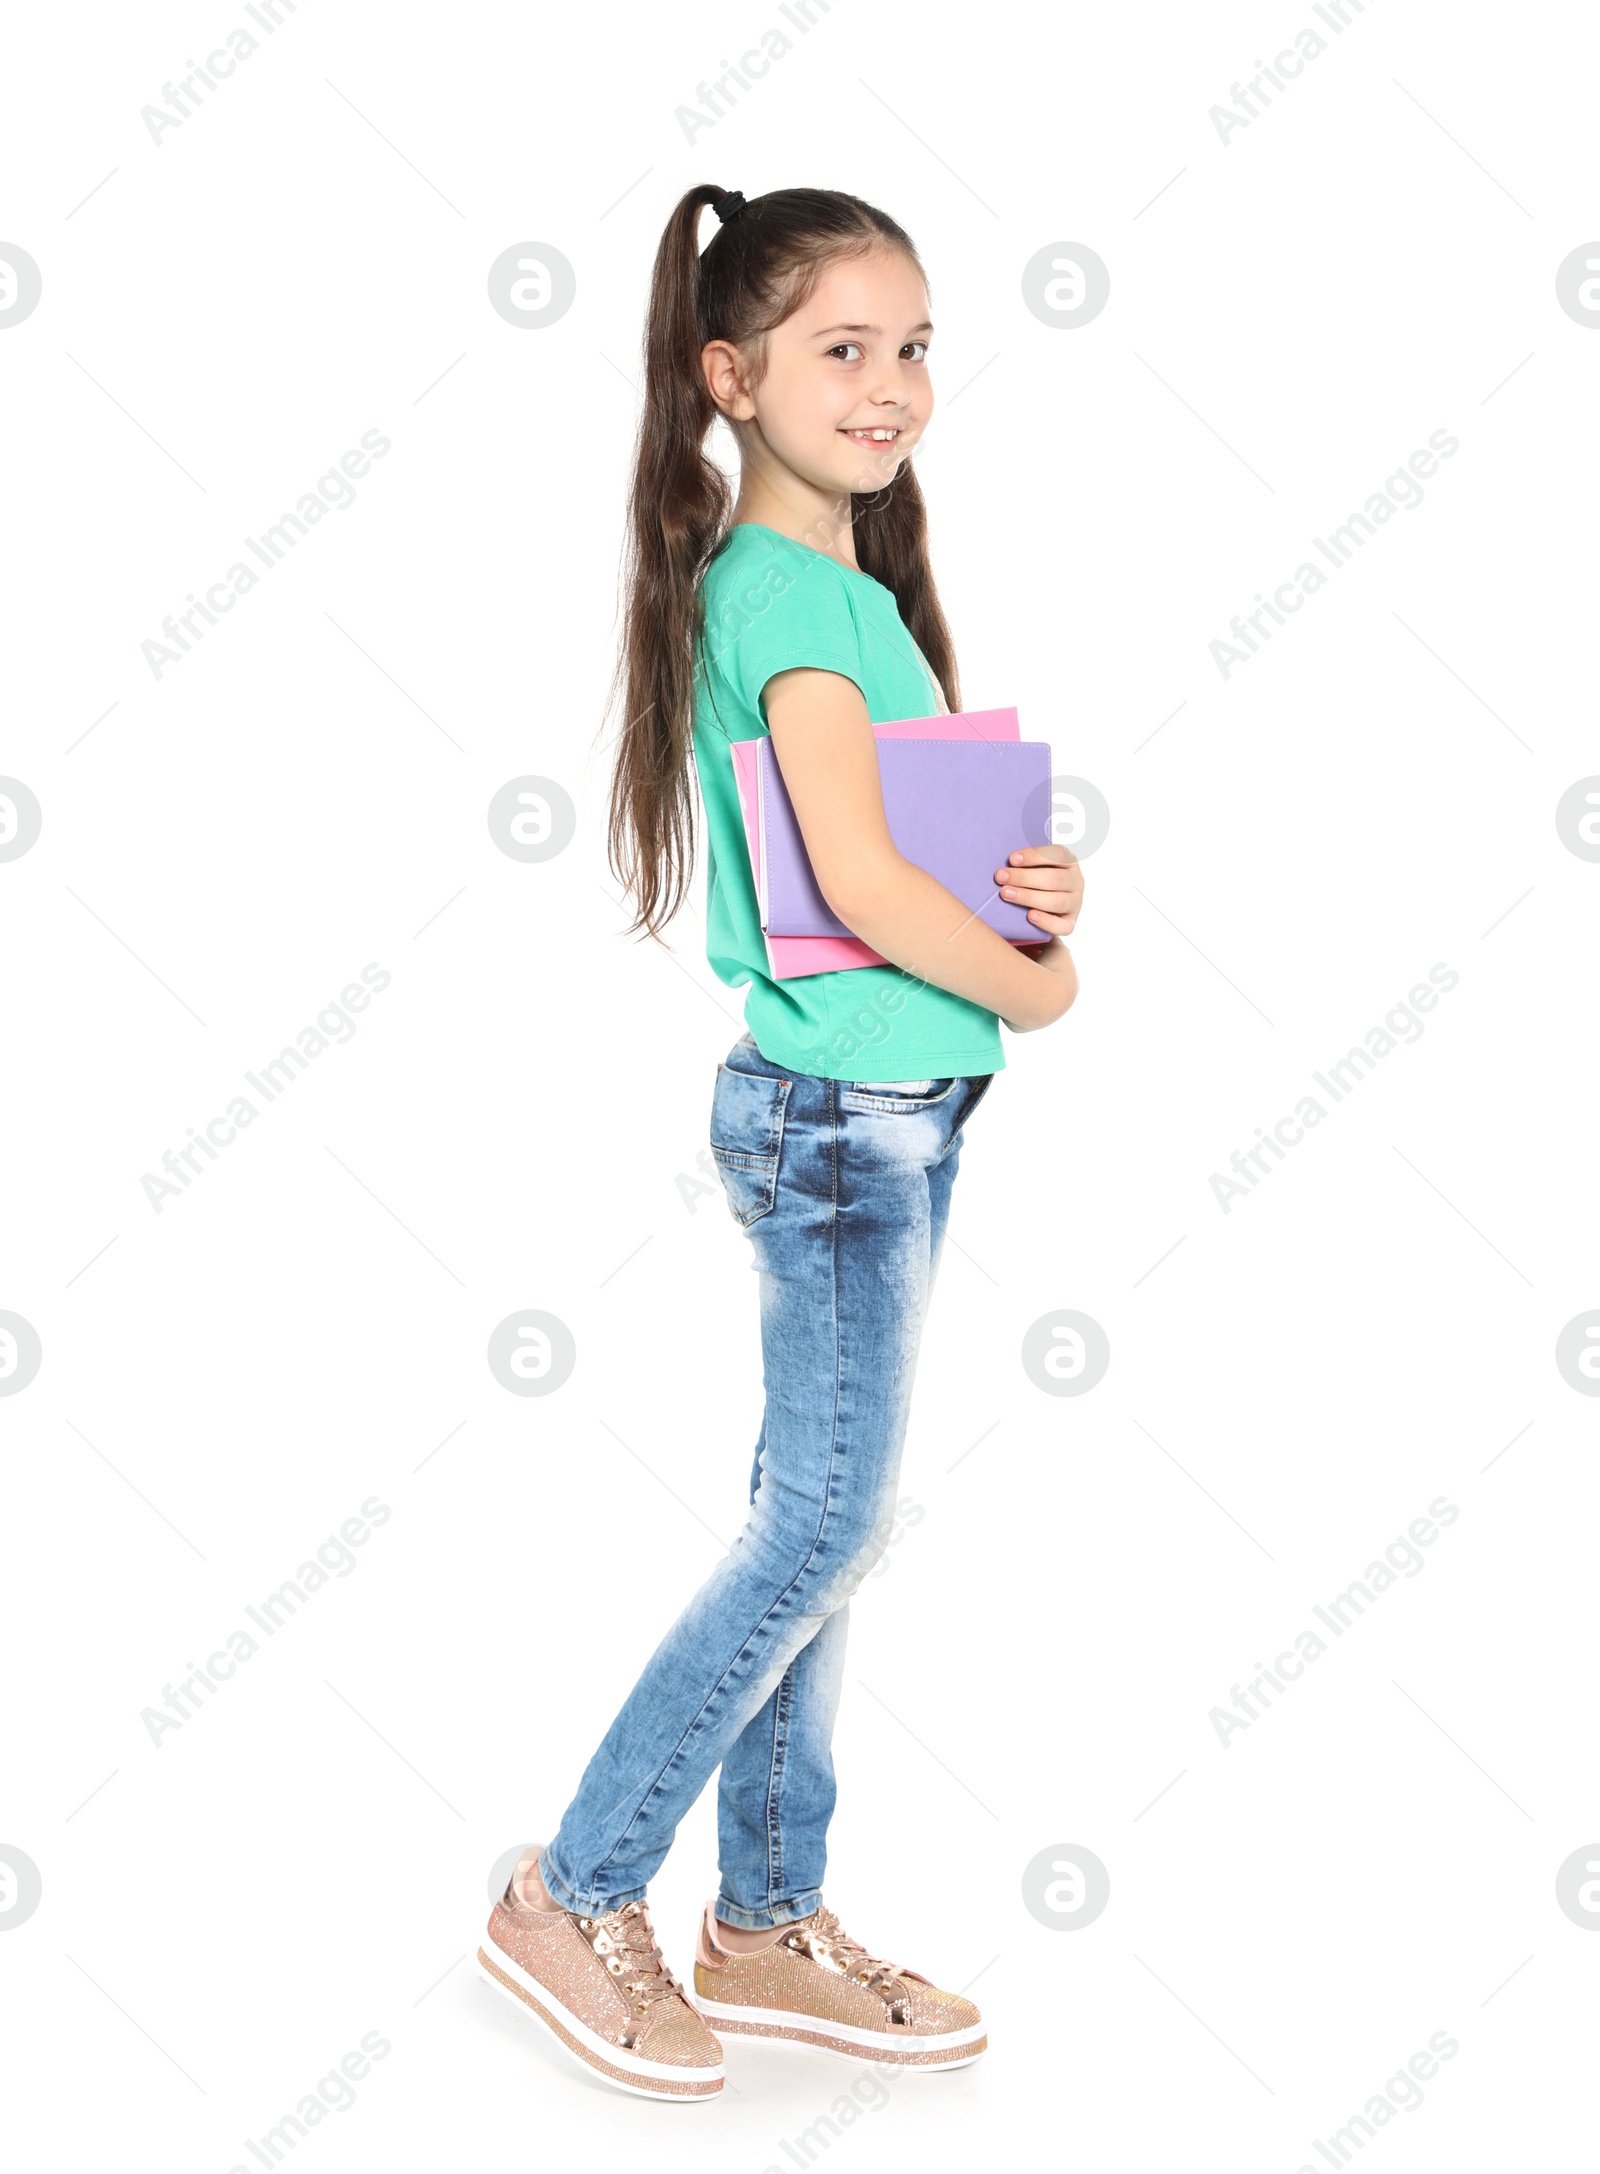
[772,604]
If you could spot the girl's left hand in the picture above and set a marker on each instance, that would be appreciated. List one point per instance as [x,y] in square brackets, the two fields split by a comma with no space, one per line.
[1048,881]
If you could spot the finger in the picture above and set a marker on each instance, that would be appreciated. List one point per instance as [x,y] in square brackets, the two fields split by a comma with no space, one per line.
[1057,924]
[1052,874]
[1043,856]
[1039,889]
[1051,877]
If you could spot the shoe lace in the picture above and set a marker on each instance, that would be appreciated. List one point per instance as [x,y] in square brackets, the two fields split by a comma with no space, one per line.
[623,1938]
[853,1958]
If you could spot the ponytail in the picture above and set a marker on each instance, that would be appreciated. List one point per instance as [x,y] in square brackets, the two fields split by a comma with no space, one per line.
[757,270]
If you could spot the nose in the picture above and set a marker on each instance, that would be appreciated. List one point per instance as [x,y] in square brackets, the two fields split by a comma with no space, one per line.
[894,386]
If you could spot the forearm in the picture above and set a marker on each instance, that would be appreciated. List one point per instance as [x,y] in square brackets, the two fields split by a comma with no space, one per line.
[823,740]
[909,916]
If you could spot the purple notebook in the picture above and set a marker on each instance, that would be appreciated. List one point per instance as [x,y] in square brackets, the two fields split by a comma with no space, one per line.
[956,808]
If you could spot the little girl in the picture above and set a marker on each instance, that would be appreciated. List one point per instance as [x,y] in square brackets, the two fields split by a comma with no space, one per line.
[807,610]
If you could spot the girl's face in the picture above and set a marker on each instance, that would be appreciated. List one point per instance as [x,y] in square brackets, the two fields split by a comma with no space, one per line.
[846,394]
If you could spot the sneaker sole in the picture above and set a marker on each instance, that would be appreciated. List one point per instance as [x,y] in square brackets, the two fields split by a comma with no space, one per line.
[624,2071]
[942,2049]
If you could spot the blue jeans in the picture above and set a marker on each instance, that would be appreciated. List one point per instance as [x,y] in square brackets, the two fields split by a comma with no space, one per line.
[844,1191]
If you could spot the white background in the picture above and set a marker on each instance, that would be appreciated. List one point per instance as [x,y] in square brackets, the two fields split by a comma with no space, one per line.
[1291,849]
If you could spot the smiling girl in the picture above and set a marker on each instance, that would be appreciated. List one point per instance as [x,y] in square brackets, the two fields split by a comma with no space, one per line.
[806,610]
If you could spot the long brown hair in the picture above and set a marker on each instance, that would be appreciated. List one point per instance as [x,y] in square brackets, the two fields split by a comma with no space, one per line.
[758,269]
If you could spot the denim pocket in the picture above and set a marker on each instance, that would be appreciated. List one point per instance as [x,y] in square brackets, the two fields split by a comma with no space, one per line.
[887,1098]
[747,1112]
[981,1087]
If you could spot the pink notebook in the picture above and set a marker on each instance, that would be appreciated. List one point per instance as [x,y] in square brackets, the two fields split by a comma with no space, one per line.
[792,956]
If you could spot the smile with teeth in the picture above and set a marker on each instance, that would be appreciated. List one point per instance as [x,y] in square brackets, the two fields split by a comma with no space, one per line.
[878,436]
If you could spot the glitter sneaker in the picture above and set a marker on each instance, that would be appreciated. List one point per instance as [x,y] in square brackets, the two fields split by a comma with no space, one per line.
[818,1985]
[600,1987]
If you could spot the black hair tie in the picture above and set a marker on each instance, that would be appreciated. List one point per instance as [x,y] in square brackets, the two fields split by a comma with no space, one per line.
[728,206]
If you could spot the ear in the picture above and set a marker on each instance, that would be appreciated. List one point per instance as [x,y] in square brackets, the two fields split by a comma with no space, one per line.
[724,375]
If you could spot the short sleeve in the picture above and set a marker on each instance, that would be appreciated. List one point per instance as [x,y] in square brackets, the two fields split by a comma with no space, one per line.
[783,610]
